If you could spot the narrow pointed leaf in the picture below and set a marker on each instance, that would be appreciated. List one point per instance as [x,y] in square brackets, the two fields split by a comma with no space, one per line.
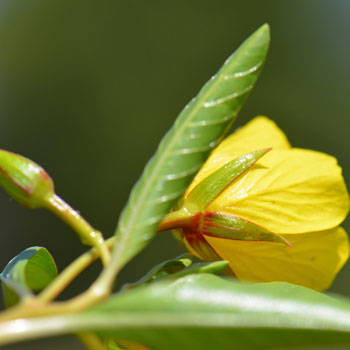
[30,271]
[199,128]
[215,268]
[162,270]
[208,189]
[227,226]
[206,312]
[112,345]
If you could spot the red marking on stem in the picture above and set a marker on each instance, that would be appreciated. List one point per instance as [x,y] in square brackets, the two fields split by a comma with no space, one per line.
[44,175]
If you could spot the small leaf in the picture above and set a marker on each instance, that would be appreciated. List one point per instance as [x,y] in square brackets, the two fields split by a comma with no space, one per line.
[199,128]
[124,345]
[215,268]
[30,271]
[173,269]
[112,345]
[162,270]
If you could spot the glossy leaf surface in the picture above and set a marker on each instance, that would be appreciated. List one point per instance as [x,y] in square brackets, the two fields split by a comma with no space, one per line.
[206,312]
[176,268]
[199,128]
[162,270]
[30,271]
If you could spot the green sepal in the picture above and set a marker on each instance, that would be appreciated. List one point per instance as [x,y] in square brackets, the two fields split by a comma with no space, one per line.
[23,180]
[30,271]
[227,226]
[203,250]
[208,189]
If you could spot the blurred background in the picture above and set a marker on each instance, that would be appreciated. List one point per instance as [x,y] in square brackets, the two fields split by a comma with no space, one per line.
[88,88]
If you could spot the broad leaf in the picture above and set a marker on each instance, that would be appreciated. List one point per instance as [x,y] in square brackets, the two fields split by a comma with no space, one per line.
[198,129]
[206,312]
[30,271]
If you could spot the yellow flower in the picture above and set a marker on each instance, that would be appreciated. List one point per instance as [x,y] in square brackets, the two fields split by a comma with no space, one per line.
[293,193]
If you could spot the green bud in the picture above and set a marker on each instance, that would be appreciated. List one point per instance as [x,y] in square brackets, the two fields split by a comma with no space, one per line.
[25,181]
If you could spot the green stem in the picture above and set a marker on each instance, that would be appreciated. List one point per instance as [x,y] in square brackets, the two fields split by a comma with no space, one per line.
[70,272]
[176,219]
[71,217]
[104,282]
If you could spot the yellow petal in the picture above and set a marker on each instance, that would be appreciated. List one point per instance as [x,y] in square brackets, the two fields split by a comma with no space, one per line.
[288,191]
[313,261]
[259,133]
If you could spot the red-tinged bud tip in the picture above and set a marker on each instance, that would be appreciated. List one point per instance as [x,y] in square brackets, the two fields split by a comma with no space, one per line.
[25,181]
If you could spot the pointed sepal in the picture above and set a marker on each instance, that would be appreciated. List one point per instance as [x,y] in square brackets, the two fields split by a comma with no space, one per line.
[199,246]
[208,189]
[228,226]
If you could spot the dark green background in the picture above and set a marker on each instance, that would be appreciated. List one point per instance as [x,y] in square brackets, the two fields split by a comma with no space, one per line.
[88,88]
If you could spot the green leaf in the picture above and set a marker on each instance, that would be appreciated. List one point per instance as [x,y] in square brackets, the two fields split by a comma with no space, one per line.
[206,312]
[112,345]
[199,128]
[162,270]
[215,267]
[173,269]
[30,271]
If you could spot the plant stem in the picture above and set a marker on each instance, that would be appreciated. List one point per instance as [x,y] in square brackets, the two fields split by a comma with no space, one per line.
[32,307]
[175,219]
[40,306]
[87,233]
[70,272]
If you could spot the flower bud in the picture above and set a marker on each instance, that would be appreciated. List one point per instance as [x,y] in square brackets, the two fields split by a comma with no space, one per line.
[25,181]
[30,185]
[193,217]
[277,220]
